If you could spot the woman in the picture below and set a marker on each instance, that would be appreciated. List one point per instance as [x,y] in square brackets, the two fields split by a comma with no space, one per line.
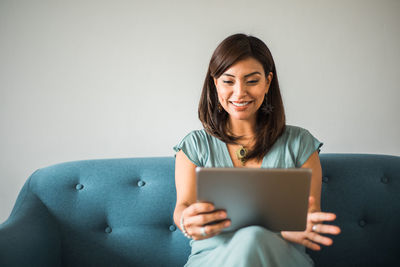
[243,117]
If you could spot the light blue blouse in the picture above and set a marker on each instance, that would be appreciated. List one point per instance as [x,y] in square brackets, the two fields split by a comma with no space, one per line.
[291,150]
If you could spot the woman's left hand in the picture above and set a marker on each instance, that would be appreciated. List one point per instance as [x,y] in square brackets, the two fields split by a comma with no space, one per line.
[312,237]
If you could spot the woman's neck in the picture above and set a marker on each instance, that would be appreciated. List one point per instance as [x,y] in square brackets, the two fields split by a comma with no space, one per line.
[243,128]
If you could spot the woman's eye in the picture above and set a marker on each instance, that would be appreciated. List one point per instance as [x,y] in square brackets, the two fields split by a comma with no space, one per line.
[229,82]
[253,81]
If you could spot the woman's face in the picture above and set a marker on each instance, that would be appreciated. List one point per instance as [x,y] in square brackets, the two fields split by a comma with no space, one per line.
[241,89]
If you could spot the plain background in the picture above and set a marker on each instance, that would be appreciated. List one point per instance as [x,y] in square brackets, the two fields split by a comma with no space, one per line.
[112,79]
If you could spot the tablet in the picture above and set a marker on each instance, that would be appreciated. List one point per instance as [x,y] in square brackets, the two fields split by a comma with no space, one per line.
[276,199]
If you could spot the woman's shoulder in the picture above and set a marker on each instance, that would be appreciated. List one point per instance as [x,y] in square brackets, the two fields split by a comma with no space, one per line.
[195,146]
[293,130]
[195,139]
[295,136]
[197,135]
[291,133]
[300,142]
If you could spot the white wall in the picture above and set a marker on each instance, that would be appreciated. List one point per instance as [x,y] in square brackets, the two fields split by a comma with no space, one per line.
[110,79]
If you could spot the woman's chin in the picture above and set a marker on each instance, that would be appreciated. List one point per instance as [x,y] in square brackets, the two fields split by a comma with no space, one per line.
[242,117]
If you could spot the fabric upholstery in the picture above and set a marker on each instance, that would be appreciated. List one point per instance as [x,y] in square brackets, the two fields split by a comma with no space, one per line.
[118,212]
[364,192]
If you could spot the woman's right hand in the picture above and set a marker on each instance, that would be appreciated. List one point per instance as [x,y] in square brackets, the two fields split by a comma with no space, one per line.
[202,221]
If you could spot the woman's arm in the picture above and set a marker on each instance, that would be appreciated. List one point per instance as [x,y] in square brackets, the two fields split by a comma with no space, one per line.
[185,182]
[312,237]
[195,214]
[314,164]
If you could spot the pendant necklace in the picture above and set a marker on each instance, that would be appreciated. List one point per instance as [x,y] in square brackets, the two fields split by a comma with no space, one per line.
[241,154]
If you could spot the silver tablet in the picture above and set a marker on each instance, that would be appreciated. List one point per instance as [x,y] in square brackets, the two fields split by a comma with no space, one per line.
[276,199]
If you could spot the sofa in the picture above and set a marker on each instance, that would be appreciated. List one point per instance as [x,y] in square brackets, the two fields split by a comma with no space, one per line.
[118,212]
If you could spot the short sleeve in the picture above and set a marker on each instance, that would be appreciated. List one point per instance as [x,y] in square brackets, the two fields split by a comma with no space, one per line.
[307,144]
[193,147]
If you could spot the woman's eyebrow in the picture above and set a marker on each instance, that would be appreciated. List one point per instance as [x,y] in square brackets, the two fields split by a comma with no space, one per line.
[247,75]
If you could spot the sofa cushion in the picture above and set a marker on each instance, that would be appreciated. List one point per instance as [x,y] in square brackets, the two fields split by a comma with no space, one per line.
[114,212]
[364,192]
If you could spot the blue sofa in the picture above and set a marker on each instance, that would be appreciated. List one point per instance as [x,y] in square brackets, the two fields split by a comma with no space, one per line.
[118,212]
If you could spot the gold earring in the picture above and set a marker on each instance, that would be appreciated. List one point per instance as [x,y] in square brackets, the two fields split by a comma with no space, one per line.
[220,108]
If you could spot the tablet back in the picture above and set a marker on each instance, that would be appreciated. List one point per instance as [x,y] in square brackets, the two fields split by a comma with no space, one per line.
[276,199]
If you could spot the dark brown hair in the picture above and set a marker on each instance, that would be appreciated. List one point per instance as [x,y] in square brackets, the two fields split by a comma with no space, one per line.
[269,125]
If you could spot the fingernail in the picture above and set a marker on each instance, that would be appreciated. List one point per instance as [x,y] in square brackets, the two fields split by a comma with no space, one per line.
[222,215]
[226,224]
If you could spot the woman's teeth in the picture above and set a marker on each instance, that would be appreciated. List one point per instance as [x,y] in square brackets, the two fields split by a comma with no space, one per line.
[240,104]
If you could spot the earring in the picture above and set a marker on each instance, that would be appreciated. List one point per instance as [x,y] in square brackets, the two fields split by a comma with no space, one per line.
[220,108]
[266,107]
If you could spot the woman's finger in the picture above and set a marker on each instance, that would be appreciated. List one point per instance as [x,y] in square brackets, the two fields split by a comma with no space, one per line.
[311,245]
[205,218]
[197,208]
[218,227]
[311,201]
[320,239]
[326,229]
[207,231]
[317,217]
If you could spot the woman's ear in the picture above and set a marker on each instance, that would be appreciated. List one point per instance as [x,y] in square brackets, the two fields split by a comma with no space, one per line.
[215,82]
[269,78]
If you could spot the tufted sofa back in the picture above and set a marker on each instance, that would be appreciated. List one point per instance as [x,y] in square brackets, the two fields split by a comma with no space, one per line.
[115,212]
[364,192]
[118,212]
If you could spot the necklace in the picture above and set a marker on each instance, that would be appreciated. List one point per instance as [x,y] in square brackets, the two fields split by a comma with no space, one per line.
[241,154]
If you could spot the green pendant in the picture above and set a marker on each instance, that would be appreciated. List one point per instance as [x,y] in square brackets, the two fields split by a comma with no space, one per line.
[241,154]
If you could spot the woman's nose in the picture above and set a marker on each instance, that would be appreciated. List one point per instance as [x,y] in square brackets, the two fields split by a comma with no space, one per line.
[240,89]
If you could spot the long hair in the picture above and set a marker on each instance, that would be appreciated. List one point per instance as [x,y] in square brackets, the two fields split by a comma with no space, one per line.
[269,125]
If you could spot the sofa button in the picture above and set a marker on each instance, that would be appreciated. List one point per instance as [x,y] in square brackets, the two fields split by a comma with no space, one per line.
[79,186]
[108,230]
[362,223]
[325,179]
[384,180]
[141,183]
[172,228]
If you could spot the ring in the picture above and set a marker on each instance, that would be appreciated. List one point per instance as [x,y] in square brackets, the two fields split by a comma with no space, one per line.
[314,228]
[203,231]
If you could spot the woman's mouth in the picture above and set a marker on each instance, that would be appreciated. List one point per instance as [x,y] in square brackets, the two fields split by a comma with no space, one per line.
[240,104]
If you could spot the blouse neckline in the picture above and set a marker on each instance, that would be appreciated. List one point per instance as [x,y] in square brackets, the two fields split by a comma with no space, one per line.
[225,149]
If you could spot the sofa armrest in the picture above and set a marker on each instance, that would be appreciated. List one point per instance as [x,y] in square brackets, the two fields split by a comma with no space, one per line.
[30,236]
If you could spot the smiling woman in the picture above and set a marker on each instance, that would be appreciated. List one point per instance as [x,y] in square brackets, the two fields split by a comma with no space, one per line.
[241,94]
[244,126]
[242,70]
